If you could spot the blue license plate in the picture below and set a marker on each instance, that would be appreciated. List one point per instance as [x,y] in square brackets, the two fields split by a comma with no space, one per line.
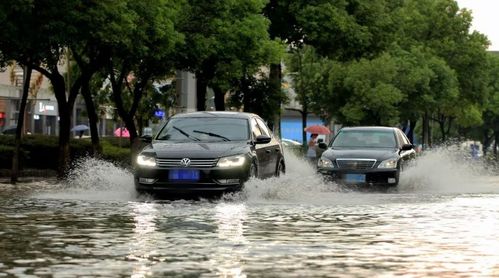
[355,178]
[183,174]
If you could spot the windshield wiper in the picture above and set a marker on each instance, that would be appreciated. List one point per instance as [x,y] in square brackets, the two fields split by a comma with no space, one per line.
[212,134]
[186,134]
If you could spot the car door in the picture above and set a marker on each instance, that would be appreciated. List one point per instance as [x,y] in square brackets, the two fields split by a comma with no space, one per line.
[406,155]
[273,148]
[262,150]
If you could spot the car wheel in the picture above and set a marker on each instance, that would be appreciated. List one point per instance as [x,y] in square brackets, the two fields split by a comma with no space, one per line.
[253,172]
[281,169]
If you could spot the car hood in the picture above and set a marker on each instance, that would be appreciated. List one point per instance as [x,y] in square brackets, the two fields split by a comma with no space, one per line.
[197,149]
[378,153]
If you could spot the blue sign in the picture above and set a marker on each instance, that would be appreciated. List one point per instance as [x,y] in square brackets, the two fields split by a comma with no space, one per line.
[159,113]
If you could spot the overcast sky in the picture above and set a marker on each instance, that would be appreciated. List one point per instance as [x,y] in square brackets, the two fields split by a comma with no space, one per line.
[485,18]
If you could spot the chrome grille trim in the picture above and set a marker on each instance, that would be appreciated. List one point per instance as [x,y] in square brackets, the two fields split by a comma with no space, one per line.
[195,162]
[355,163]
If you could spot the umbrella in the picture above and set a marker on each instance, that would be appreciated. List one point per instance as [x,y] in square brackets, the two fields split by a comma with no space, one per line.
[317,129]
[80,128]
[121,132]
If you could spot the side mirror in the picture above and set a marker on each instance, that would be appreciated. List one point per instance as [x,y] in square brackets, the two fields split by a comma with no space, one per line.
[407,147]
[262,139]
[322,145]
[146,138]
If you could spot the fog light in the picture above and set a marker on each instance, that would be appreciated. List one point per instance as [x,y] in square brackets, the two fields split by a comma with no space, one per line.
[147,180]
[392,180]
[226,181]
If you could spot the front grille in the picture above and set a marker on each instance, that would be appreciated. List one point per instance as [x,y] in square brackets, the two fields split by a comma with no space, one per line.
[195,162]
[355,163]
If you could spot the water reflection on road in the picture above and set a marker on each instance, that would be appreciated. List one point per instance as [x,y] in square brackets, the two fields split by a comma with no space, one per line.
[441,221]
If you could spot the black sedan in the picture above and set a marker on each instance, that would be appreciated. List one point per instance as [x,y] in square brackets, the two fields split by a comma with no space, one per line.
[208,152]
[366,155]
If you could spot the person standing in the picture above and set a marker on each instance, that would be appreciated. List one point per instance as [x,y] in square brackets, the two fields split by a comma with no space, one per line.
[312,148]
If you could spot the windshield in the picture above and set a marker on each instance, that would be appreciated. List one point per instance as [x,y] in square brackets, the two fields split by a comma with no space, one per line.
[205,130]
[365,139]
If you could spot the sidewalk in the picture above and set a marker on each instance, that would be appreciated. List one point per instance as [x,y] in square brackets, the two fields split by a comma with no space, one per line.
[28,175]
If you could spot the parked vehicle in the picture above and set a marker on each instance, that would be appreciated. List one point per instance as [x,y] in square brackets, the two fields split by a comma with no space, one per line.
[292,146]
[366,155]
[208,152]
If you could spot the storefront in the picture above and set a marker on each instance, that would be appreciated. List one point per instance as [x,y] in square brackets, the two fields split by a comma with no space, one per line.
[45,118]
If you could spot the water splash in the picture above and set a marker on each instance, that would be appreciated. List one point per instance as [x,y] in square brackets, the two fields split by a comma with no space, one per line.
[435,171]
[448,170]
[95,179]
[300,183]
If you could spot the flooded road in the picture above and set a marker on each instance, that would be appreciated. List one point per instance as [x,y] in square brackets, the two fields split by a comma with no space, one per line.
[442,221]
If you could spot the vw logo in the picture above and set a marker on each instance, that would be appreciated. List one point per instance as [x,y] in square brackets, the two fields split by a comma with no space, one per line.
[185,162]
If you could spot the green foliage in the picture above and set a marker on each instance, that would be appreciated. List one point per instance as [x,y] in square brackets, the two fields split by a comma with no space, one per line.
[229,41]
[40,151]
[345,29]
[253,93]
[386,62]
[118,155]
[371,98]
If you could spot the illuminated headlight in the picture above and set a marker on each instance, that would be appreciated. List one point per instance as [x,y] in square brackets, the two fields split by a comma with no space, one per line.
[146,161]
[388,164]
[231,161]
[325,163]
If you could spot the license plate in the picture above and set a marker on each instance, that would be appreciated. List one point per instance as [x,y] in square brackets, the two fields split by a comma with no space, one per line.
[355,178]
[183,174]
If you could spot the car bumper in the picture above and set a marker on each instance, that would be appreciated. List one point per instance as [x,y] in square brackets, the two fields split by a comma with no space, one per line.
[375,176]
[158,180]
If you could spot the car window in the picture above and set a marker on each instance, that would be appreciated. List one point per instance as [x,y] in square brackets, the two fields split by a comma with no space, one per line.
[365,138]
[402,138]
[210,129]
[263,127]
[255,129]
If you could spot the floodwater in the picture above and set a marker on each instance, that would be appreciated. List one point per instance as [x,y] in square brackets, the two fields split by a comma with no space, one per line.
[442,221]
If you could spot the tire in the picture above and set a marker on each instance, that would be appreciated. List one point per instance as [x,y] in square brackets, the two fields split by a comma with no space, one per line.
[253,171]
[281,169]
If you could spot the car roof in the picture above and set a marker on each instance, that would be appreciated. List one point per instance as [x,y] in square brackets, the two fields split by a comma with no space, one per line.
[224,114]
[367,128]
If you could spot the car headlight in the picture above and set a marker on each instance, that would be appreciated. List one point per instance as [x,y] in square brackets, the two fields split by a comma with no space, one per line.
[325,163]
[388,164]
[146,161]
[231,161]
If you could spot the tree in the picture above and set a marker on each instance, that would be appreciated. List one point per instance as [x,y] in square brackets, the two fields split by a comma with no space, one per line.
[224,42]
[490,127]
[251,92]
[346,29]
[370,96]
[35,35]
[144,51]
[307,71]
[443,30]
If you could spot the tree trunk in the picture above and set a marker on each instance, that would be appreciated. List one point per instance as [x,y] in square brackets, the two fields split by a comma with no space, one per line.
[486,141]
[20,124]
[64,134]
[219,98]
[200,93]
[496,145]
[426,130]
[304,113]
[412,126]
[275,81]
[441,124]
[65,107]
[92,117]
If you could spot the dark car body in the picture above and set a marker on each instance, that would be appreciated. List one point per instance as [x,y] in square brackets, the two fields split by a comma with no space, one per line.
[366,155]
[208,152]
